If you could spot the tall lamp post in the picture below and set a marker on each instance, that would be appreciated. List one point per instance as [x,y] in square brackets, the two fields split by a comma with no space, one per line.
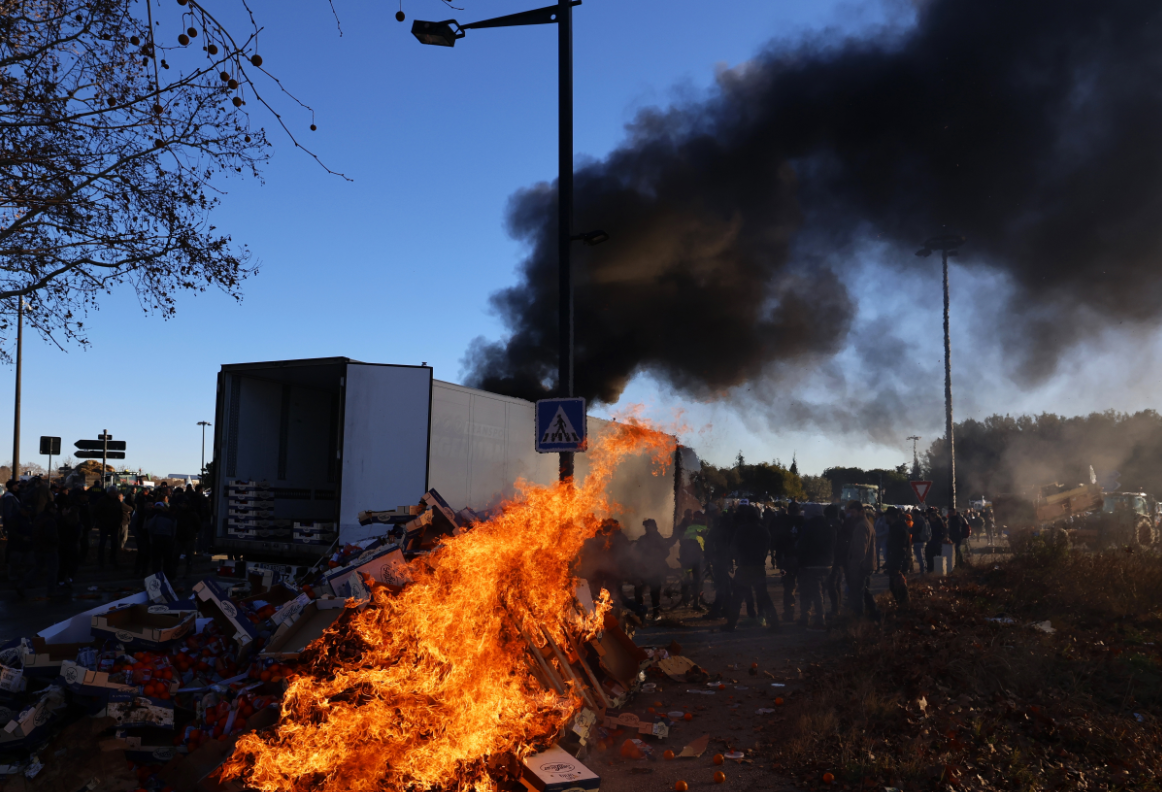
[16,410]
[915,456]
[446,34]
[204,424]
[947,245]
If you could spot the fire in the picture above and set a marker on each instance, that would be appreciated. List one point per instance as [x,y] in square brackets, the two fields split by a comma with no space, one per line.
[434,687]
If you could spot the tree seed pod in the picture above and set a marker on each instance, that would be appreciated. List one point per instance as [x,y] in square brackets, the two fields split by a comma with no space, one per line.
[134,40]
[247,138]
[313,127]
[237,101]
[400,16]
[256,60]
[110,101]
[212,49]
[192,32]
[183,39]
[224,76]
[158,143]
[157,109]
[232,84]
[183,2]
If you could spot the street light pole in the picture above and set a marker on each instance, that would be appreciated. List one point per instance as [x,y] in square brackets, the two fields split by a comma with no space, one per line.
[565,213]
[204,424]
[16,410]
[915,456]
[947,245]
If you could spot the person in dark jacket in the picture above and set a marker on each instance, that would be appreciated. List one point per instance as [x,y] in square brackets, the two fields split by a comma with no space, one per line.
[786,537]
[69,531]
[837,578]
[17,528]
[897,553]
[719,539]
[650,551]
[188,526]
[752,543]
[921,534]
[137,527]
[107,515]
[45,547]
[939,533]
[816,553]
[691,557]
[861,560]
[162,529]
[958,533]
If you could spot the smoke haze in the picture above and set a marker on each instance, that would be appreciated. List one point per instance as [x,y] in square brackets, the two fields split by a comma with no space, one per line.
[737,222]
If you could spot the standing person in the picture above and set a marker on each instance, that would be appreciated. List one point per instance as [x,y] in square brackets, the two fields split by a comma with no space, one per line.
[719,537]
[897,554]
[650,552]
[107,515]
[691,557]
[881,526]
[202,507]
[990,524]
[81,501]
[45,546]
[861,561]
[838,576]
[188,526]
[18,529]
[138,527]
[958,532]
[785,542]
[939,532]
[162,540]
[69,532]
[921,535]
[816,551]
[752,542]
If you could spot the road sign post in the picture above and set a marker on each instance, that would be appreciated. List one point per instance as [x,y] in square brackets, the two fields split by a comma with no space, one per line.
[561,426]
[921,488]
[50,447]
[103,448]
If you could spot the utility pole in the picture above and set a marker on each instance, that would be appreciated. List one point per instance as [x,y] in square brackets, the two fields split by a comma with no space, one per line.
[915,456]
[19,362]
[203,424]
[565,212]
[947,245]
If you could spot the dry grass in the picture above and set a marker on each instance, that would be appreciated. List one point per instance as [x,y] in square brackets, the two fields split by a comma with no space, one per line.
[942,697]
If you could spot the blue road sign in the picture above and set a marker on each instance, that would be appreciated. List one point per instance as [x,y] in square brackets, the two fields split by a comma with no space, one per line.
[560,425]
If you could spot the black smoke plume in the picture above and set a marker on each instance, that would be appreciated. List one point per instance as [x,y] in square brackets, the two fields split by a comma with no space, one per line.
[1032,127]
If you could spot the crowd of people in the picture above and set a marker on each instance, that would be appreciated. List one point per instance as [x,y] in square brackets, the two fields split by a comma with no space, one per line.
[826,555]
[50,530]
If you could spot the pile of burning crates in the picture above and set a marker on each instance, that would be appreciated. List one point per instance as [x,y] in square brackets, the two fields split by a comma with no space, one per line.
[151,690]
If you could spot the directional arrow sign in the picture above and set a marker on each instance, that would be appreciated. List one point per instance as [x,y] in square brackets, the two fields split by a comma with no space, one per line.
[921,488]
[99,445]
[99,455]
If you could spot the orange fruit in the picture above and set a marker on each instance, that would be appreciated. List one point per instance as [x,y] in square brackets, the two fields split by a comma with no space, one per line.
[778,702]
[688,716]
[754,665]
[720,777]
[668,754]
[718,759]
[828,778]
[681,786]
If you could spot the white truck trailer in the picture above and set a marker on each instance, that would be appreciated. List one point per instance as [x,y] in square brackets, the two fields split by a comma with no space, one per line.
[332,437]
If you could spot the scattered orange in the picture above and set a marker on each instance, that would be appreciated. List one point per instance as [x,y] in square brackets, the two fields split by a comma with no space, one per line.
[778,702]
[668,754]
[718,759]
[754,665]
[720,777]
[688,716]
[828,778]
[681,786]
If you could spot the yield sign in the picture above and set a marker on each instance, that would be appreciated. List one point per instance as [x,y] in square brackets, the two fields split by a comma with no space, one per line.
[921,488]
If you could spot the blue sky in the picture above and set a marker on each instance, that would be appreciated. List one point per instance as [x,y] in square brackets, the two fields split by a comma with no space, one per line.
[396,266]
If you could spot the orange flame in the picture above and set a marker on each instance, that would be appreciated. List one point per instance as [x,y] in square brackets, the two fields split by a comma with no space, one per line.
[432,687]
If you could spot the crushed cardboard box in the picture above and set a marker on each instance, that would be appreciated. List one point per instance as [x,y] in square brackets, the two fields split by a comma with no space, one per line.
[137,626]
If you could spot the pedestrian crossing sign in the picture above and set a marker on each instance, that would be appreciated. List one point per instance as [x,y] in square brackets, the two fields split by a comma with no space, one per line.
[560,425]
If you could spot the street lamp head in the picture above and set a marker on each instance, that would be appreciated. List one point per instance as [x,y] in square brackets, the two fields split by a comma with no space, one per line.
[591,238]
[438,34]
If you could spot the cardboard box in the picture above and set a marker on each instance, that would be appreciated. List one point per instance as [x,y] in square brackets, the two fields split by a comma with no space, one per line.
[133,710]
[385,566]
[34,722]
[287,571]
[82,681]
[299,537]
[294,635]
[43,660]
[651,726]
[145,744]
[216,604]
[12,680]
[140,627]
[556,770]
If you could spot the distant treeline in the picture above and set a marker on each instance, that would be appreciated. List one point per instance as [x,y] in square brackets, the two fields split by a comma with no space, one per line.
[995,456]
